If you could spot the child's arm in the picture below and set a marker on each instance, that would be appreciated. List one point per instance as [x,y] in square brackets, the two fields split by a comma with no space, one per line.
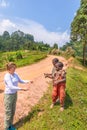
[60,81]
[63,80]
[48,75]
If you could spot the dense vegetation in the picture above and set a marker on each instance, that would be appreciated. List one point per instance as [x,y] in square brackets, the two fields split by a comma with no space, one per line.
[79,27]
[18,40]
[21,58]
[75,46]
[78,36]
[74,117]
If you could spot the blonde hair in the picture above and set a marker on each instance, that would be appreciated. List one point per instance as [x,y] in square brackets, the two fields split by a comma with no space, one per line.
[10,65]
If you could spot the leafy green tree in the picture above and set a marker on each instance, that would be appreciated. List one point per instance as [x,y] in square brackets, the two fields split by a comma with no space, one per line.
[1,43]
[6,35]
[79,27]
[19,40]
[55,46]
[29,37]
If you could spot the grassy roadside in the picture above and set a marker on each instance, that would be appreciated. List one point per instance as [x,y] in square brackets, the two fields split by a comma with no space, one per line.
[21,58]
[74,117]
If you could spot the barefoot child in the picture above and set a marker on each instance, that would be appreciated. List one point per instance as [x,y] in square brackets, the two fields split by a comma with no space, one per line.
[54,61]
[59,81]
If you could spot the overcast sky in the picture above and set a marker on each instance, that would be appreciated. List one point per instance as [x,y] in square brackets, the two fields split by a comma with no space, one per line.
[47,20]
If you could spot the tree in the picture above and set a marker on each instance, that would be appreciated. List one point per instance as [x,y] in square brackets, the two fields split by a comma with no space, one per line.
[19,40]
[79,27]
[6,35]
[55,46]
[29,37]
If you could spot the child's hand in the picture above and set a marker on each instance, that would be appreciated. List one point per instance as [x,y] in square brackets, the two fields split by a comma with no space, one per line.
[31,81]
[46,75]
[55,83]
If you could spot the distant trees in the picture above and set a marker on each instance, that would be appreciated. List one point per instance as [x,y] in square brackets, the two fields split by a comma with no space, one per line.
[19,40]
[75,45]
[55,46]
[79,27]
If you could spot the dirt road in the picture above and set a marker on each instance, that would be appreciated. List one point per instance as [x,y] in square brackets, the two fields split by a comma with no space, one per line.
[29,98]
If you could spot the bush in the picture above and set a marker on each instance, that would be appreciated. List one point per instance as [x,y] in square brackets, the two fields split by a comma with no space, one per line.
[10,58]
[19,55]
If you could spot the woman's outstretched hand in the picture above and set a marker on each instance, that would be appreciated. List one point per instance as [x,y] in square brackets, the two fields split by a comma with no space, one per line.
[25,89]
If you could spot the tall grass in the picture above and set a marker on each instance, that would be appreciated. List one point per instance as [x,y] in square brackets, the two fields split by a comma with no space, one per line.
[21,58]
[74,117]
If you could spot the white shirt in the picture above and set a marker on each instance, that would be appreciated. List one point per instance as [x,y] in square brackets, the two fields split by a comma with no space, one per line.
[11,83]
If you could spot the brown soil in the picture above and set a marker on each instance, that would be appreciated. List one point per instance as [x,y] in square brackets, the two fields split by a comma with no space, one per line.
[27,99]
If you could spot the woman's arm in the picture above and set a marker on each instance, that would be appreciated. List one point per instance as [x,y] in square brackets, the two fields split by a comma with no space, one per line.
[22,81]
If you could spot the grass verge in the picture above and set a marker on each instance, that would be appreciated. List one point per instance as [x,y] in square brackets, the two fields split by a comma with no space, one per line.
[21,58]
[74,117]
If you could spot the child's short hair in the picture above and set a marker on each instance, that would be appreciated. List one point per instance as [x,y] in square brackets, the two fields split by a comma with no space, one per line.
[55,60]
[60,64]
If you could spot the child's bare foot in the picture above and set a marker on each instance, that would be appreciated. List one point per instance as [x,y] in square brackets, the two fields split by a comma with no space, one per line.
[52,105]
[61,108]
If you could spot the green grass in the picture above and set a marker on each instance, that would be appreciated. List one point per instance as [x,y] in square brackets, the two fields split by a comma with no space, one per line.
[74,117]
[28,57]
[31,58]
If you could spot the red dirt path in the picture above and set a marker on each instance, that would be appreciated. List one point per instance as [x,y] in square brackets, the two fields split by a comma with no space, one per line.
[27,99]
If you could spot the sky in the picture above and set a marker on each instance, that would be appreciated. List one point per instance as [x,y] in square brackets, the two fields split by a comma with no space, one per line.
[47,20]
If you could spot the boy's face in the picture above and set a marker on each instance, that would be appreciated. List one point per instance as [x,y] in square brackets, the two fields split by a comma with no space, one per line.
[54,63]
[58,67]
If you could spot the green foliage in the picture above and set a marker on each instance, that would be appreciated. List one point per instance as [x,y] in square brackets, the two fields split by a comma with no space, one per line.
[21,58]
[74,117]
[79,24]
[19,55]
[10,58]
[31,58]
[18,40]
[55,46]
[79,27]
[77,48]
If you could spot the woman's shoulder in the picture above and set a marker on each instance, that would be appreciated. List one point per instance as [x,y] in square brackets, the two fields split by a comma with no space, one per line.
[7,75]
